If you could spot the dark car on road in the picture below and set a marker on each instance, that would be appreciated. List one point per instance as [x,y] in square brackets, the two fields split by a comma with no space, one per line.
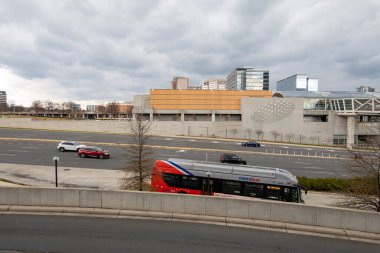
[251,144]
[232,158]
[93,151]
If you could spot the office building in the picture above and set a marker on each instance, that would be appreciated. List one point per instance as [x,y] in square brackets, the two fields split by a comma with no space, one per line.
[180,82]
[214,84]
[91,108]
[3,99]
[365,89]
[298,82]
[248,78]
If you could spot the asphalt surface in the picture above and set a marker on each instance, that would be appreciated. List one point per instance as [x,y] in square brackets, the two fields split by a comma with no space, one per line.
[18,150]
[171,142]
[34,233]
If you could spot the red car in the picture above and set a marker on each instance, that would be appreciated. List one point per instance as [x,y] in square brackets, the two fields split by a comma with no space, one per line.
[93,151]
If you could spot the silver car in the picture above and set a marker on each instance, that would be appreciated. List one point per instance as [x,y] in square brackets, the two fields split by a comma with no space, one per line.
[69,146]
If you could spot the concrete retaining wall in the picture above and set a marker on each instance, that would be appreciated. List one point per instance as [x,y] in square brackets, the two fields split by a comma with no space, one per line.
[195,205]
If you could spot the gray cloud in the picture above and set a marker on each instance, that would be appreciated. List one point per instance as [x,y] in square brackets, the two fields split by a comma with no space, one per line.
[105,50]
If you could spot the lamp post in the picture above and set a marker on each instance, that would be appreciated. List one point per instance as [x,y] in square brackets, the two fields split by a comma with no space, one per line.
[208,173]
[56,160]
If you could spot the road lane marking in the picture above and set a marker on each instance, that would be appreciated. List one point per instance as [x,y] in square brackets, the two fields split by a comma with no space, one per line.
[252,151]
[181,151]
[192,140]
[284,147]
[303,162]
[318,168]
[215,142]
[24,151]
[8,154]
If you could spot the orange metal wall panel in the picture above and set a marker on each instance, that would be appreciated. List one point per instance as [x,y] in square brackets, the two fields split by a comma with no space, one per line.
[201,99]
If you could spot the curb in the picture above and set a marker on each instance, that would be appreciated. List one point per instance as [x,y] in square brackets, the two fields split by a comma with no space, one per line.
[178,217]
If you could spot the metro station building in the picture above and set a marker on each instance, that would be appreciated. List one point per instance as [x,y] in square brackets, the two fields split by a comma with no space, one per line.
[309,117]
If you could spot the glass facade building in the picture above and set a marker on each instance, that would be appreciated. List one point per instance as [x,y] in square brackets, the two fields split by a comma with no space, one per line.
[298,82]
[248,78]
[3,98]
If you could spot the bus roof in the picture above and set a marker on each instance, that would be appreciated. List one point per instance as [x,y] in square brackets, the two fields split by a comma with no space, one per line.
[247,173]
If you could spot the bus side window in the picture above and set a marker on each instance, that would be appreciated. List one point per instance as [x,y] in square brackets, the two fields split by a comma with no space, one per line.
[253,190]
[171,179]
[273,192]
[231,187]
[190,182]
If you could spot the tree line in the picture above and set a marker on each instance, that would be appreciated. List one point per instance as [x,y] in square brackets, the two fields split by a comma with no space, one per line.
[69,108]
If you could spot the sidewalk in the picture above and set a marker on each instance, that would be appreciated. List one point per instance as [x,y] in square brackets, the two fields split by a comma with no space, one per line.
[44,176]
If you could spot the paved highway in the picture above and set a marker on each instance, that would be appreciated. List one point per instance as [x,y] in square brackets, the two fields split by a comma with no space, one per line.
[35,233]
[40,152]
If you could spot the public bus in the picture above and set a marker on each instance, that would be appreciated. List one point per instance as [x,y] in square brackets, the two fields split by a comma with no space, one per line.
[226,180]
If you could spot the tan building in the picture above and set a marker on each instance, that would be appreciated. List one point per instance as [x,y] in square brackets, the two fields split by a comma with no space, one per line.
[180,82]
[193,105]
[201,99]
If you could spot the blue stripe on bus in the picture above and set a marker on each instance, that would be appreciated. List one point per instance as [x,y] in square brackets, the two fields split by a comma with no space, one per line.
[179,167]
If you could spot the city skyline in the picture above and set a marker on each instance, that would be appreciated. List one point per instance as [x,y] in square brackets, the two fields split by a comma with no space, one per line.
[99,51]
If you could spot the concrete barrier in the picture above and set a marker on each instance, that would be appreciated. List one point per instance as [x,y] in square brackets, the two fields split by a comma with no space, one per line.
[182,205]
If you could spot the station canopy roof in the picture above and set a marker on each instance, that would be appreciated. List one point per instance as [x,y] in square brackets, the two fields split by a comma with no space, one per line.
[326,94]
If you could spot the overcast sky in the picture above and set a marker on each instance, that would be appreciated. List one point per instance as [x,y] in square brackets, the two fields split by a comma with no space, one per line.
[93,51]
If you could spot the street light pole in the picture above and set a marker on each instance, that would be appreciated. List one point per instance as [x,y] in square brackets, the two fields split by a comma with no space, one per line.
[56,160]
[208,173]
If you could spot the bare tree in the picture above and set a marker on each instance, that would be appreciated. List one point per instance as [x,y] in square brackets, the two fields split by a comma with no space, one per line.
[49,106]
[249,131]
[101,109]
[113,108]
[70,108]
[37,106]
[138,168]
[275,134]
[259,132]
[364,193]
[129,111]
[313,139]
[289,136]
[301,138]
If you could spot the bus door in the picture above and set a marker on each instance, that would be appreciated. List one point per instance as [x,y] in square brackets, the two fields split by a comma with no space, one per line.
[290,194]
[207,186]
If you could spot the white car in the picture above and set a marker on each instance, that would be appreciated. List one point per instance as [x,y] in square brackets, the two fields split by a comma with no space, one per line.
[69,146]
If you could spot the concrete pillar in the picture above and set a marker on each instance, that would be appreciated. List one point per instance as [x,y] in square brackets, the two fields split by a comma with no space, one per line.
[151,116]
[182,116]
[351,120]
[213,116]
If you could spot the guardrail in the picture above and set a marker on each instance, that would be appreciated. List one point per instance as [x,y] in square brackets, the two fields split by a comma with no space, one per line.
[305,153]
[194,205]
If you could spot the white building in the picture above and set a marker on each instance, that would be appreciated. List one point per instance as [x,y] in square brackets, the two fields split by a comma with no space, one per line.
[214,84]
[298,82]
